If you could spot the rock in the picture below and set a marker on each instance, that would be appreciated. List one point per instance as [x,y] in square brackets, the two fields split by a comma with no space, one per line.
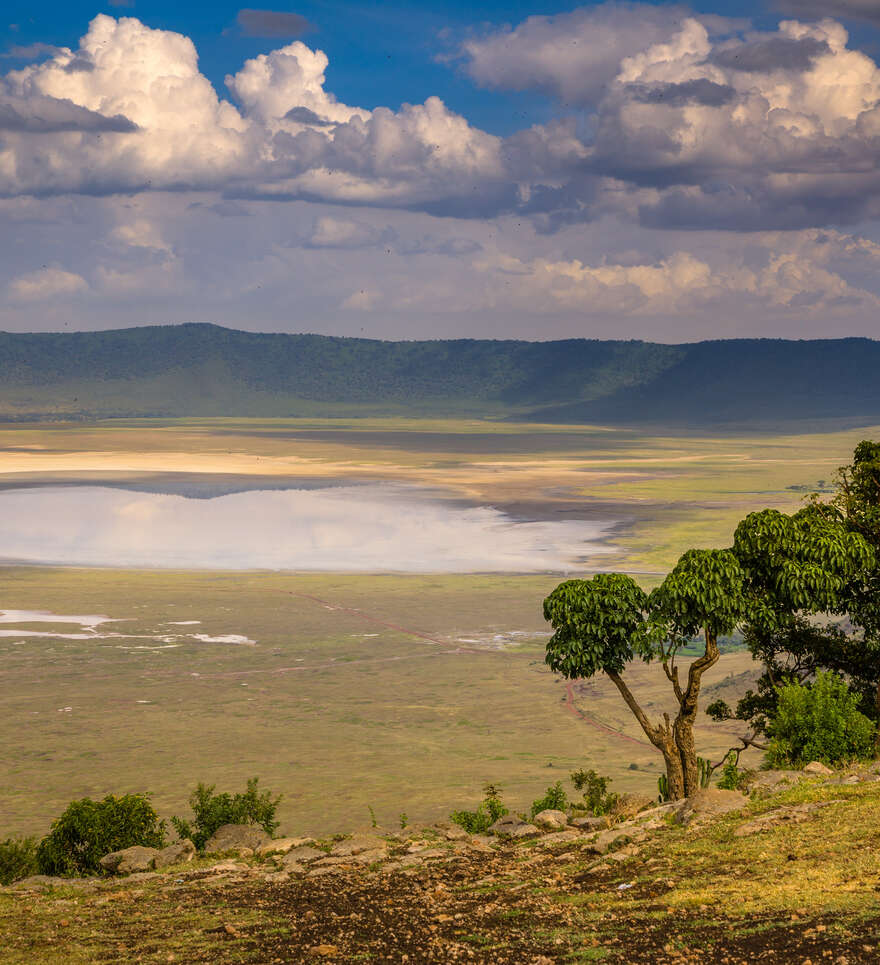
[46,881]
[454,833]
[370,857]
[629,805]
[524,831]
[302,853]
[175,853]
[793,814]
[590,823]
[323,951]
[560,837]
[282,845]
[236,837]
[293,868]
[135,858]
[505,825]
[551,820]
[332,861]
[223,866]
[358,843]
[659,811]
[708,804]
[603,842]
[817,767]
[764,783]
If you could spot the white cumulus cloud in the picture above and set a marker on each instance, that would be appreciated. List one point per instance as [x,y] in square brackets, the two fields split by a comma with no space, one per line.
[47,283]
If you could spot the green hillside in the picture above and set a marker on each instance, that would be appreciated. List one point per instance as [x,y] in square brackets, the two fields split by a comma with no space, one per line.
[205,370]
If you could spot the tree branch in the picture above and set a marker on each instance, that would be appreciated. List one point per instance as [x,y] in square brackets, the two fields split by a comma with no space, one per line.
[653,733]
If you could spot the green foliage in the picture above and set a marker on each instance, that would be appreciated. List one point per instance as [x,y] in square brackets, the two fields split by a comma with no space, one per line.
[597,798]
[488,812]
[373,822]
[555,799]
[211,811]
[732,778]
[598,624]
[818,722]
[404,820]
[18,859]
[806,561]
[705,589]
[87,830]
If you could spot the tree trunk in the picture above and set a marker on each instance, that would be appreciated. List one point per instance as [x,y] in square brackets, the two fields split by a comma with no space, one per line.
[683,728]
[662,736]
[674,772]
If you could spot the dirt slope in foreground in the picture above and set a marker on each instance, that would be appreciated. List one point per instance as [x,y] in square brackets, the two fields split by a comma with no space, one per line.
[801,885]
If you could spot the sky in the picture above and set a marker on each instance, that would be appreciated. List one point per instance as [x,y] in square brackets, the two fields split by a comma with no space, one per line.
[661,171]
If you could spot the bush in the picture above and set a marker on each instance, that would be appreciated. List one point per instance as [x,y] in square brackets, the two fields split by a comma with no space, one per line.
[818,722]
[554,800]
[211,811]
[88,830]
[491,809]
[18,859]
[597,798]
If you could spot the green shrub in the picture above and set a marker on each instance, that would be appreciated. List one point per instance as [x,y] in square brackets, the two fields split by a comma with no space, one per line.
[488,812]
[732,778]
[88,830]
[818,722]
[18,859]
[554,800]
[211,811]
[597,798]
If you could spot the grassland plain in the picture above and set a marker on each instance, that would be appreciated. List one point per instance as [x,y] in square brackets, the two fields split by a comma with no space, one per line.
[399,692]
[797,892]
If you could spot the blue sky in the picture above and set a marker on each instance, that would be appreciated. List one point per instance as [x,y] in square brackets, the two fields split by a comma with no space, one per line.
[655,170]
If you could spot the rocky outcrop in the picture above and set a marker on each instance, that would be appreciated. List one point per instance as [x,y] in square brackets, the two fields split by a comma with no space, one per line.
[709,804]
[129,860]
[239,838]
[551,820]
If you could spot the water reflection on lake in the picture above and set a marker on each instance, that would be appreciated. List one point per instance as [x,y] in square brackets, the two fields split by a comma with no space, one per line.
[375,527]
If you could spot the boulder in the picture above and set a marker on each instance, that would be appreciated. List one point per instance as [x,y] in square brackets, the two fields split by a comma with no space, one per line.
[127,860]
[506,824]
[817,767]
[236,837]
[524,831]
[603,842]
[590,823]
[175,853]
[551,820]
[629,805]
[709,803]
[454,833]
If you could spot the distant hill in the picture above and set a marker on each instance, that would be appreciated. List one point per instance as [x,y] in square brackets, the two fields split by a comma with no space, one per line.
[206,370]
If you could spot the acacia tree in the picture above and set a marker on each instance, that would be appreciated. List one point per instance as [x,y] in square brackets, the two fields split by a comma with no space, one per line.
[604,623]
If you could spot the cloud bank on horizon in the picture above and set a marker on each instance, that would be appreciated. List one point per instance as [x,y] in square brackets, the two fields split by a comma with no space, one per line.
[696,177]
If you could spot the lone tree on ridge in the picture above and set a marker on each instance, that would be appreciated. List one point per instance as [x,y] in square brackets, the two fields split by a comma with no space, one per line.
[604,623]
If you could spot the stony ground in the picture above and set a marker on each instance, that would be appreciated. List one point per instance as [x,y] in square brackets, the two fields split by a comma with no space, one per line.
[794,876]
